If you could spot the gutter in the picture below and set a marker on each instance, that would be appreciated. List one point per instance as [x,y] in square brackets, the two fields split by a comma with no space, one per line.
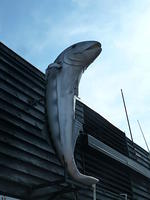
[110,152]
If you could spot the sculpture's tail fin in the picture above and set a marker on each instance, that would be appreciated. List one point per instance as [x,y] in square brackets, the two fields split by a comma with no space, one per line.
[74,172]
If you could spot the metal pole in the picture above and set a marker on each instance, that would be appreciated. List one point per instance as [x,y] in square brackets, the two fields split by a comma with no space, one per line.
[143,135]
[127,115]
[94,191]
[125,196]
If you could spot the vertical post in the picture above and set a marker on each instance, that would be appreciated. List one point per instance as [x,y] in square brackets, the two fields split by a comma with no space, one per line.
[94,191]
[127,115]
[125,196]
[143,135]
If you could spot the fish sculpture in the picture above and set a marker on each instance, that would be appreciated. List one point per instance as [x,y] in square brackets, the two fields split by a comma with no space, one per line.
[62,81]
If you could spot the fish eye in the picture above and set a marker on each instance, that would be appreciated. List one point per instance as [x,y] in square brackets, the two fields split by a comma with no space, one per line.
[73,46]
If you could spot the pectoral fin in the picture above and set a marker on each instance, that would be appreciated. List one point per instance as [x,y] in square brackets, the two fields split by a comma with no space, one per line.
[52,68]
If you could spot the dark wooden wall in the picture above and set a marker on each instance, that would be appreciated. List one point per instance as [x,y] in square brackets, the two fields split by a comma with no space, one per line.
[28,162]
[104,131]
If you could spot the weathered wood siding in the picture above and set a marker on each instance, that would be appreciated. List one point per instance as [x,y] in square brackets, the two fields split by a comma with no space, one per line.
[26,158]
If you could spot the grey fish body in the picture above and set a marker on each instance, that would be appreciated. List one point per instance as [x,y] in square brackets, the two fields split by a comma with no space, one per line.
[63,77]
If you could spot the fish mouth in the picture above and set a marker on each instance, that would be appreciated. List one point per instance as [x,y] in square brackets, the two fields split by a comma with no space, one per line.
[97,45]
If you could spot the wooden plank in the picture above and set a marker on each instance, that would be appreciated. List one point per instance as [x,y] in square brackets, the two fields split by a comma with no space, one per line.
[31,174]
[26,157]
[22,105]
[13,189]
[20,94]
[18,113]
[20,63]
[21,84]
[22,124]
[15,131]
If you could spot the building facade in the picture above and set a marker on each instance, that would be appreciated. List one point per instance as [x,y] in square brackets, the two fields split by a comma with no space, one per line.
[29,167]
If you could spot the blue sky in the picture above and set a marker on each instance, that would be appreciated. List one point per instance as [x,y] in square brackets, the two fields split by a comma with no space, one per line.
[39,30]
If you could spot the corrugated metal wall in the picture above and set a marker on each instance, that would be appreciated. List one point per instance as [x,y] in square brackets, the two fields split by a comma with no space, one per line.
[28,162]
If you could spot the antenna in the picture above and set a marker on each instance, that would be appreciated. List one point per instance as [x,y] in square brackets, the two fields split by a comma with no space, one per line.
[143,135]
[127,115]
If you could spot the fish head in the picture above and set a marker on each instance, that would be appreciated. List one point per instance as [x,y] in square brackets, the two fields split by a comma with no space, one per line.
[81,54]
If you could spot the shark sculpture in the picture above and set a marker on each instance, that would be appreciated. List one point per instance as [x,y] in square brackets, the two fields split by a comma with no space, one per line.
[62,81]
